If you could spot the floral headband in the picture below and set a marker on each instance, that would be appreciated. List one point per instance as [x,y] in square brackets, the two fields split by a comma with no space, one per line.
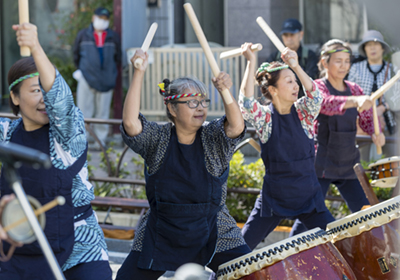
[176,96]
[265,67]
[21,79]
[335,51]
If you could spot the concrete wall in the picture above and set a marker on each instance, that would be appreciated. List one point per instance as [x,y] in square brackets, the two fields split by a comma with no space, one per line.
[241,25]
[134,25]
[210,15]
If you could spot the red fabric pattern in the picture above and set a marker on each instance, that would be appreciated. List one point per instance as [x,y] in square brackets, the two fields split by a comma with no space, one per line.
[333,105]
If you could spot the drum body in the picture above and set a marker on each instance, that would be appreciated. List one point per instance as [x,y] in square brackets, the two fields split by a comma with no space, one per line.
[309,255]
[369,242]
[385,172]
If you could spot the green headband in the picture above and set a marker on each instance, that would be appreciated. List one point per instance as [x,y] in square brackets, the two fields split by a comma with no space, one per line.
[22,78]
[335,51]
[265,67]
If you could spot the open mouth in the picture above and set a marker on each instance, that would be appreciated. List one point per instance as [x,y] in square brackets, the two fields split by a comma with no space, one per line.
[43,111]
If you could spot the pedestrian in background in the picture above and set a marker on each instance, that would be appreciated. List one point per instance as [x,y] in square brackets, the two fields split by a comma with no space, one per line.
[97,52]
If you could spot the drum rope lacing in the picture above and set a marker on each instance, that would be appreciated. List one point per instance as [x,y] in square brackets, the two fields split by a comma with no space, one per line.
[276,250]
[364,218]
[375,173]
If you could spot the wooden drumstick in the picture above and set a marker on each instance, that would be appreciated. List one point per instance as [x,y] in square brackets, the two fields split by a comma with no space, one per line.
[23,10]
[274,39]
[385,87]
[376,127]
[255,145]
[146,43]
[238,51]
[206,48]
[59,200]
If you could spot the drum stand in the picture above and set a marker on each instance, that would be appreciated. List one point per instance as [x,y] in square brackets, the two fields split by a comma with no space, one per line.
[362,177]
[14,181]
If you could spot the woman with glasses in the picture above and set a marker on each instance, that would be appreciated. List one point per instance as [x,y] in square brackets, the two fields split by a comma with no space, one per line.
[186,171]
[336,126]
[285,128]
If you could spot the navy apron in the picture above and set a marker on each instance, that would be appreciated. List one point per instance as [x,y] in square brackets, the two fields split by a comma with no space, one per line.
[290,185]
[184,201]
[337,152]
[45,185]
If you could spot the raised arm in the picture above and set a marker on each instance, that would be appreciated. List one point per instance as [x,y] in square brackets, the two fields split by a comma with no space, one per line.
[130,113]
[305,80]
[27,36]
[247,86]
[234,124]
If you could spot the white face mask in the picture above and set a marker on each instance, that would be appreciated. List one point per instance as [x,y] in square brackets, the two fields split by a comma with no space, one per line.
[100,24]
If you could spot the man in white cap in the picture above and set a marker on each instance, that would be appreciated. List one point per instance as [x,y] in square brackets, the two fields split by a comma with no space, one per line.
[292,34]
[371,74]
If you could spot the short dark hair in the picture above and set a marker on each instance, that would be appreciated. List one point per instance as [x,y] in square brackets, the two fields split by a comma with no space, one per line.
[22,67]
[266,79]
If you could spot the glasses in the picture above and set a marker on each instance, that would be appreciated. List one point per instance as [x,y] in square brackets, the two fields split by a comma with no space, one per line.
[194,103]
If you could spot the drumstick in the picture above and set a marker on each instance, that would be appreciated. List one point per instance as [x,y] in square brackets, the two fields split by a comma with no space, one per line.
[274,39]
[385,87]
[206,48]
[238,51]
[146,43]
[23,10]
[376,127]
[255,145]
[59,200]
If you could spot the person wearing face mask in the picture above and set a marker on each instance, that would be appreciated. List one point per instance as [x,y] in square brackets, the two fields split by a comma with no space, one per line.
[97,52]
[292,34]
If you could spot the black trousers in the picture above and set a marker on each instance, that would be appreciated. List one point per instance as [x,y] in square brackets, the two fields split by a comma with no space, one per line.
[130,271]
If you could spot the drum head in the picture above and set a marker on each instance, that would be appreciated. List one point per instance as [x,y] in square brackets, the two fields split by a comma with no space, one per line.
[365,220]
[13,212]
[385,182]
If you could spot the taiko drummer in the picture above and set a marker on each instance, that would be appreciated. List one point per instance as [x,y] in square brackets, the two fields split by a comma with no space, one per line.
[336,126]
[52,124]
[285,128]
[187,167]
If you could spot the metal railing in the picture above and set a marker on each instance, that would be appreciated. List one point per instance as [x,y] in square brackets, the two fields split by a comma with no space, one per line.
[114,178]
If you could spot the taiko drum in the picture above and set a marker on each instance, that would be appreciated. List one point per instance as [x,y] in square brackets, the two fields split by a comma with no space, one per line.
[369,240]
[309,255]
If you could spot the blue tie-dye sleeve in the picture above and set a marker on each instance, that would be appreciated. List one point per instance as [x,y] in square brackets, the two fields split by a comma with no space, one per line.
[4,125]
[66,120]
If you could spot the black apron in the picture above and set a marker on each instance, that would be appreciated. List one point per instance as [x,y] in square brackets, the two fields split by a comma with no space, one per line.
[290,185]
[184,201]
[337,152]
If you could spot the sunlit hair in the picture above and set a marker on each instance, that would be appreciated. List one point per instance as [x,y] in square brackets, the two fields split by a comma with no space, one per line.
[330,48]
[180,85]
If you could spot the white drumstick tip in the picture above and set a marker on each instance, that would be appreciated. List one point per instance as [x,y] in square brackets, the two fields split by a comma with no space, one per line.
[146,44]
[60,200]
